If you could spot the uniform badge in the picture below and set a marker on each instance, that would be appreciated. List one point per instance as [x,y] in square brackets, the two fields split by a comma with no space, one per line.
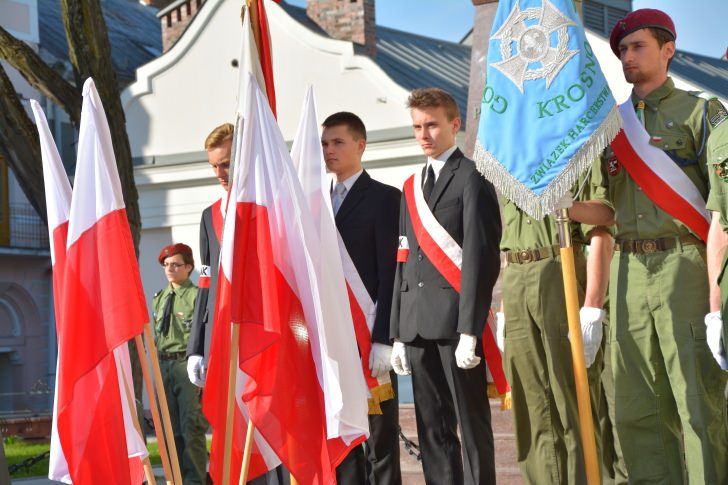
[613,166]
[721,170]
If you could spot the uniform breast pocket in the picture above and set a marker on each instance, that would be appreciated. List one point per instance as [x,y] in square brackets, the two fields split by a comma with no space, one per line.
[678,146]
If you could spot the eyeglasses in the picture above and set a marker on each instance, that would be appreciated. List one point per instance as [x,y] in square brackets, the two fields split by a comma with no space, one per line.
[173,266]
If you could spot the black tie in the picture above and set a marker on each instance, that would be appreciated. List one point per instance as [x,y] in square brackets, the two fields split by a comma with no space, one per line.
[167,315]
[429,182]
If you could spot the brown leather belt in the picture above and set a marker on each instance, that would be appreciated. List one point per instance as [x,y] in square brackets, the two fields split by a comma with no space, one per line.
[171,355]
[530,255]
[649,246]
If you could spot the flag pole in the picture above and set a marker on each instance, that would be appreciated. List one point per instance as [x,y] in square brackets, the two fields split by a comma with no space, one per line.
[161,442]
[148,471]
[232,375]
[586,422]
[162,400]
[246,455]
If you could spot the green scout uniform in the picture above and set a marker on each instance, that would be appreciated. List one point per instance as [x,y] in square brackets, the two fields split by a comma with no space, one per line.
[668,388]
[537,357]
[188,424]
[718,202]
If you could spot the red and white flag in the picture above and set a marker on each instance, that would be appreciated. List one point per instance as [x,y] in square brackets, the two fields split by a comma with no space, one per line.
[58,205]
[101,307]
[346,403]
[263,458]
[275,297]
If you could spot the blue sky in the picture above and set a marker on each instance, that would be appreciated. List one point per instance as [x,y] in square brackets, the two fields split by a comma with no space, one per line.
[701,24]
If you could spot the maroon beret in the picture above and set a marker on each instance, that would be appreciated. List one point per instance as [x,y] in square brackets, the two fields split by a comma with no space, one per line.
[173,249]
[640,19]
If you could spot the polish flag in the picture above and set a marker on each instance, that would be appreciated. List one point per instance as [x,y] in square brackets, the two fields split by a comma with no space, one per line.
[275,295]
[58,205]
[98,313]
[263,458]
[346,403]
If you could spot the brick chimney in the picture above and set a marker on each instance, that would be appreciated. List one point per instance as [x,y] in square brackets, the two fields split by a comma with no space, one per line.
[351,20]
[175,17]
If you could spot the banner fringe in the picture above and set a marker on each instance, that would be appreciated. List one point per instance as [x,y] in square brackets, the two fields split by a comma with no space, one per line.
[539,206]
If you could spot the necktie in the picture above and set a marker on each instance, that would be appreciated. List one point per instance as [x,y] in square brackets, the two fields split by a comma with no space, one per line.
[167,315]
[429,183]
[641,112]
[339,194]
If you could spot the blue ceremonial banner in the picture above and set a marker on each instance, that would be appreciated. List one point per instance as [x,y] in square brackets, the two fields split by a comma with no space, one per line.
[546,110]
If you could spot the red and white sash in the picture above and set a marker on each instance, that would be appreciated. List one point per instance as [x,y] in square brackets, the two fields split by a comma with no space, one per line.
[658,175]
[447,256]
[363,313]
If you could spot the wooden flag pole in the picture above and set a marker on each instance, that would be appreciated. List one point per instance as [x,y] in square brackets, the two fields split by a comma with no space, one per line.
[162,400]
[148,471]
[245,467]
[161,442]
[581,382]
[232,377]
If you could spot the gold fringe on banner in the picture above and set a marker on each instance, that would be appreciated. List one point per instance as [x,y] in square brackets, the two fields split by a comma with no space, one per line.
[379,394]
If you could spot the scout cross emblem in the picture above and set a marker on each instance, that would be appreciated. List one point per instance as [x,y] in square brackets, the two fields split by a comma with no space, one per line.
[532,42]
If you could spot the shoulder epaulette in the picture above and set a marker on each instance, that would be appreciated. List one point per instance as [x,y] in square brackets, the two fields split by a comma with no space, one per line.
[158,292]
[703,94]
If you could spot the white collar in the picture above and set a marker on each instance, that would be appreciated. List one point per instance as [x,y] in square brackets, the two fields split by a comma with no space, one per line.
[349,182]
[438,163]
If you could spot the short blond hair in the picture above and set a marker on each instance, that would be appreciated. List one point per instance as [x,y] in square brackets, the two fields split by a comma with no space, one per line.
[219,135]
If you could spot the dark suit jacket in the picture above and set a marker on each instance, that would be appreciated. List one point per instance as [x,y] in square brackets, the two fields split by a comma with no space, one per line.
[368,223]
[423,302]
[201,331]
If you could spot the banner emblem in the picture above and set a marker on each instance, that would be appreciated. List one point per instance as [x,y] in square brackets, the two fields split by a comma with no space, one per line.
[533,44]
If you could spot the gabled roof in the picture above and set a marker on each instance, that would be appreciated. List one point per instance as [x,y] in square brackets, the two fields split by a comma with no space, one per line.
[134,33]
[709,73]
[411,60]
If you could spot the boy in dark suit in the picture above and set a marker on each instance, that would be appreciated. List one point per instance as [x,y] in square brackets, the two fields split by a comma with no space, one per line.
[449,261]
[366,213]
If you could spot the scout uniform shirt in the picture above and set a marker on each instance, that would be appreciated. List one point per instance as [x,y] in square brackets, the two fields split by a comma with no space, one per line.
[180,320]
[682,138]
[718,202]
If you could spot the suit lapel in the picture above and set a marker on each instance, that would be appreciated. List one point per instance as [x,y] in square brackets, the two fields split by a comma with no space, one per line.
[443,180]
[355,195]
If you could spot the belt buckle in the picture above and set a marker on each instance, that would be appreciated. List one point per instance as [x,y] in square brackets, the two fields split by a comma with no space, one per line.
[525,256]
[649,246]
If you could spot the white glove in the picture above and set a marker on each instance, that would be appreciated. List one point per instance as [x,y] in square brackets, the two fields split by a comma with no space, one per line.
[713,330]
[566,201]
[465,352]
[500,331]
[399,359]
[196,370]
[591,332]
[380,359]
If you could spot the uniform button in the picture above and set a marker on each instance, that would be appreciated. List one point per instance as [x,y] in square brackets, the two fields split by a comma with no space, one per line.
[640,216]
[639,188]
[419,257]
[667,146]
[528,221]
[669,124]
[420,284]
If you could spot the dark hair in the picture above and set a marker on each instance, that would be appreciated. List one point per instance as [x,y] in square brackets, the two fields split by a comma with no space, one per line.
[663,37]
[352,122]
[434,98]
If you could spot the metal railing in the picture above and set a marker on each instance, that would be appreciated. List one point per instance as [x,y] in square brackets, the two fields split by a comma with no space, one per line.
[27,229]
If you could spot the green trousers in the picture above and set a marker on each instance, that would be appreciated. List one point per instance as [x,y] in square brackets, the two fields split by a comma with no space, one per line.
[669,401]
[188,424]
[613,469]
[538,365]
[723,283]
